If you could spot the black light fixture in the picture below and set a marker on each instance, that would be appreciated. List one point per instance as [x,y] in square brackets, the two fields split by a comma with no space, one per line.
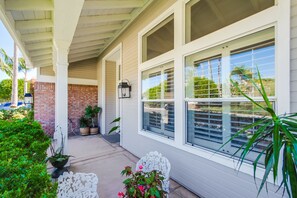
[124,89]
[28,99]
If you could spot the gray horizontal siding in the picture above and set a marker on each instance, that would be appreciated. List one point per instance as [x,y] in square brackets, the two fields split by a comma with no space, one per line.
[86,69]
[294,56]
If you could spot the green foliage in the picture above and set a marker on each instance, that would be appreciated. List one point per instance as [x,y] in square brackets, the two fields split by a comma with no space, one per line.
[6,89]
[83,122]
[241,76]
[23,171]
[17,114]
[282,129]
[6,64]
[142,184]
[117,127]
[92,113]
[58,159]
[201,87]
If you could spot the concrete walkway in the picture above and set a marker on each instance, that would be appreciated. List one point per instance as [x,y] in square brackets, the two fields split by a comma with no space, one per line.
[95,155]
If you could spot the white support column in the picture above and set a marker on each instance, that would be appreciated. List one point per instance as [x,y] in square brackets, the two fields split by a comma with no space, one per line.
[65,22]
[61,94]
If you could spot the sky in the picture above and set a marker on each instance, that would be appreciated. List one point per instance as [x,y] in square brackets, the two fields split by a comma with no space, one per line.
[6,42]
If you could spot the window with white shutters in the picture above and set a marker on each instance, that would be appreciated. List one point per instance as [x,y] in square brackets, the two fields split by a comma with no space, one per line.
[215,110]
[158,100]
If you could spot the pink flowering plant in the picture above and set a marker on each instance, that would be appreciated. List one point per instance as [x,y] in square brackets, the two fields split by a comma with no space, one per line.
[142,184]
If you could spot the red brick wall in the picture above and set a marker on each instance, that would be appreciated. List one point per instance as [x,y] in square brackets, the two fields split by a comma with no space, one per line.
[79,96]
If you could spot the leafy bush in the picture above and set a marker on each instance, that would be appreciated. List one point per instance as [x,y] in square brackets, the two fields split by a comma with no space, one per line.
[142,184]
[23,171]
[17,114]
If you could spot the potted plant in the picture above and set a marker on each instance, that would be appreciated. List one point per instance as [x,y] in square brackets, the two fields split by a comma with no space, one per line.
[92,114]
[279,131]
[58,159]
[142,184]
[84,126]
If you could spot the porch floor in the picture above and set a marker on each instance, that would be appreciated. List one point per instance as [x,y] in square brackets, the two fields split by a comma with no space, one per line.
[92,154]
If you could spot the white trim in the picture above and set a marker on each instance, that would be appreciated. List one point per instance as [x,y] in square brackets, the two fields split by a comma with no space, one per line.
[154,23]
[105,58]
[277,16]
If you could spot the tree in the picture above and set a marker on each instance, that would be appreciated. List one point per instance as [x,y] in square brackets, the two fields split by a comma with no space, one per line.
[14,95]
[6,65]
[23,68]
[5,89]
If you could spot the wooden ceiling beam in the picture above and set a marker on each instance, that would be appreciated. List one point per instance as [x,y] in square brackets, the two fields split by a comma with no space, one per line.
[92,38]
[85,49]
[112,4]
[23,5]
[39,46]
[33,24]
[87,44]
[82,57]
[41,58]
[37,36]
[104,18]
[40,52]
[97,30]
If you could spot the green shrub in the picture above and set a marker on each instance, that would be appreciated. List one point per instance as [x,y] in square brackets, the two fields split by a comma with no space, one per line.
[17,114]
[23,171]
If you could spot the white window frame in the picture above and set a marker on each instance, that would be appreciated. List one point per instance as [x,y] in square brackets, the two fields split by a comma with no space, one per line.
[277,16]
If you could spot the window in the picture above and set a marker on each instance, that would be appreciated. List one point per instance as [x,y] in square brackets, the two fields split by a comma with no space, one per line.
[158,100]
[158,40]
[218,14]
[215,109]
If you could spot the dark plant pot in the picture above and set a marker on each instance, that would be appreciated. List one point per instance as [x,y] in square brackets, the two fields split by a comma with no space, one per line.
[59,164]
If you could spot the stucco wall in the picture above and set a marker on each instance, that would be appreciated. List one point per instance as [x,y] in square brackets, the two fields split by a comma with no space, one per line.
[79,97]
[204,177]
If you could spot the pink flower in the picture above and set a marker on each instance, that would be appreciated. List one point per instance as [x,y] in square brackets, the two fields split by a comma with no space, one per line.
[121,194]
[140,167]
[141,188]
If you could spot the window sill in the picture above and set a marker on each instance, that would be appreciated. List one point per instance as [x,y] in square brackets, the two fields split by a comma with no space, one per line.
[160,138]
[220,158]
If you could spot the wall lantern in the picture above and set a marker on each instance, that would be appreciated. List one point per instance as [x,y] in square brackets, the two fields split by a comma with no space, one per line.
[124,89]
[28,99]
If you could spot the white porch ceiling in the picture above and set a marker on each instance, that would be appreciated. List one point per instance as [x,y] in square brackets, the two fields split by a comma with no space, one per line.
[100,22]
[31,24]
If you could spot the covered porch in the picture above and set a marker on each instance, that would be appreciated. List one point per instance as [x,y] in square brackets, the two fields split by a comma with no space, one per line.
[93,154]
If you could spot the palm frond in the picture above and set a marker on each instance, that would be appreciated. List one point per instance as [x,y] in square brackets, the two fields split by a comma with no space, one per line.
[280,130]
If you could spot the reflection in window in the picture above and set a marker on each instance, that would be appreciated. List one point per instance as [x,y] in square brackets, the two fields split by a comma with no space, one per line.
[158,117]
[244,64]
[205,124]
[158,83]
[158,100]
[204,79]
[215,109]
[158,40]
[206,16]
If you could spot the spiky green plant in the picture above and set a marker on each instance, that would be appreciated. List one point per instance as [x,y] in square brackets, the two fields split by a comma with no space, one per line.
[117,127]
[280,131]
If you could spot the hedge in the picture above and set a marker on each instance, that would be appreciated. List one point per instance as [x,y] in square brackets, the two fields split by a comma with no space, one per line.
[23,171]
